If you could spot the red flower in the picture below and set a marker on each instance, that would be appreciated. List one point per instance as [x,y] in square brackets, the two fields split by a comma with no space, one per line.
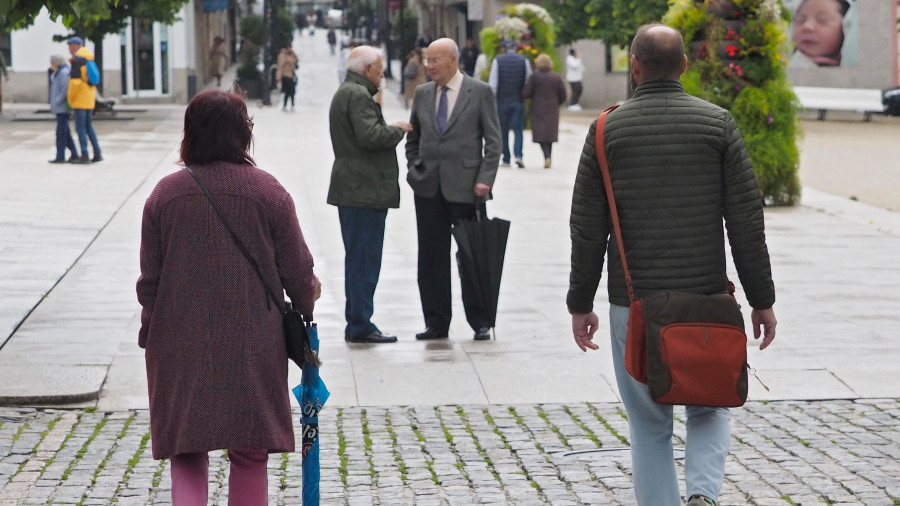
[733,51]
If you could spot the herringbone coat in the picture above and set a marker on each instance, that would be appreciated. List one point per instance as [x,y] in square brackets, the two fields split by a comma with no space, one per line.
[215,354]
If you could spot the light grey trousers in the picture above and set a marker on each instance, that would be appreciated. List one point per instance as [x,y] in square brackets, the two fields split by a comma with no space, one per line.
[653,461]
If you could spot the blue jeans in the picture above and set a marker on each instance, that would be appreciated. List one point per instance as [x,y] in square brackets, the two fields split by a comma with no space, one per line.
[85,127]
[512,115]
[653,462]
[363,233]
[64,137]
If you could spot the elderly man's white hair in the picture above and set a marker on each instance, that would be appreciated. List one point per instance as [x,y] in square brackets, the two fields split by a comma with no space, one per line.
[361,56]
[58,60]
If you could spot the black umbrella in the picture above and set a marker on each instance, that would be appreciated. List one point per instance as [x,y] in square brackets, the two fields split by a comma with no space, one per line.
[481,245]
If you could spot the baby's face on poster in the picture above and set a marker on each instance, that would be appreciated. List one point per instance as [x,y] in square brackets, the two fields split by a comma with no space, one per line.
[818,28]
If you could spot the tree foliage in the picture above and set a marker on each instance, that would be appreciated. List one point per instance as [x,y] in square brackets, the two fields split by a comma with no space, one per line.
[91,19]
[613,21]
[97,18]
[737,55]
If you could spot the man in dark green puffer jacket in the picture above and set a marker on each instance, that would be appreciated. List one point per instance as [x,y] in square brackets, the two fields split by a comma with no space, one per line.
[363,185]
[679,168]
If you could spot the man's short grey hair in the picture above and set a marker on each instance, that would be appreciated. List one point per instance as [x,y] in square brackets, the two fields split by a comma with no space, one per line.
[58,60]
[360,57]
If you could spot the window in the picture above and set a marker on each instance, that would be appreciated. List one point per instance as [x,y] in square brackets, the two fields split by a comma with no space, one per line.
[5,48]
[617,59]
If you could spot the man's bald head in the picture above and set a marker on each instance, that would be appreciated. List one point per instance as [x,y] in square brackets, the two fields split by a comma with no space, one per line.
[659,50]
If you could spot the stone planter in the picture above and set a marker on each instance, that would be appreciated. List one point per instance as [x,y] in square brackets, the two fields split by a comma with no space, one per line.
[253,87]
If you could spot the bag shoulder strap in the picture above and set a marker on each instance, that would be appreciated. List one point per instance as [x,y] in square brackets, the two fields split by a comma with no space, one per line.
[600,148]
[240,245]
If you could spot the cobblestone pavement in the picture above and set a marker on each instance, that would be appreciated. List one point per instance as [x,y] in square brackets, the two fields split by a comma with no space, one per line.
[828,452]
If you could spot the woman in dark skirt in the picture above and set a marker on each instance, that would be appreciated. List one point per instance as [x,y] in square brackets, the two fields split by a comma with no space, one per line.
[547,92]
[215,353]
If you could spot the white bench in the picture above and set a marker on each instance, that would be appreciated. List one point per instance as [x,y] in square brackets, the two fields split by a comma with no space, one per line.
[840,99]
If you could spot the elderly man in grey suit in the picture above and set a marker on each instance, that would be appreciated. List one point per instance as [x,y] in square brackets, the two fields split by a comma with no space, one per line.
[452,155]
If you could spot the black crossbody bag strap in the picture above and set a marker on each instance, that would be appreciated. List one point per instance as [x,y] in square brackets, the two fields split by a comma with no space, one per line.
[278,303]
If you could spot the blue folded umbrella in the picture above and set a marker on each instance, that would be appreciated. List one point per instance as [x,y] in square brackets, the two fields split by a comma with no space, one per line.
[311,393]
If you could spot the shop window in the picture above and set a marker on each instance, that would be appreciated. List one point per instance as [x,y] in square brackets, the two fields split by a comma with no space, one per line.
[5,48]
[617,59]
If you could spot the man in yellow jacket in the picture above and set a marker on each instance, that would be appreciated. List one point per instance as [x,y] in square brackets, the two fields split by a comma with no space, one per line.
[82,98]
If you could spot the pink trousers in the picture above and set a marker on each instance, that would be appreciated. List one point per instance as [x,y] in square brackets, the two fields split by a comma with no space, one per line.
[247,481]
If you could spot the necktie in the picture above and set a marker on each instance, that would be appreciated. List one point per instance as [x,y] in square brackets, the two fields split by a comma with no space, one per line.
[442,110]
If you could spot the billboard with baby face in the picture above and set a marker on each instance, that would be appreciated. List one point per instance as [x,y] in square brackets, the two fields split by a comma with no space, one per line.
[824,33]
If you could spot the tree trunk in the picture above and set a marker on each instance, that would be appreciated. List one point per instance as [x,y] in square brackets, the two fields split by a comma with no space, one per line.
[98,58]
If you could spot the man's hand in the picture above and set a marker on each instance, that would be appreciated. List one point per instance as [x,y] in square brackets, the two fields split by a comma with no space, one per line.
[406,127]
[583,327]
[482,189]
[766,318]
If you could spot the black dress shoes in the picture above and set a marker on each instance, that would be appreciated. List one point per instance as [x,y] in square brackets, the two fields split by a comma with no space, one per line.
[431,333]
[482,334]
[376,337]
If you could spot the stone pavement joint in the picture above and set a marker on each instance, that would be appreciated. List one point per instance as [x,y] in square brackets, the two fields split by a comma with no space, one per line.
[787,453]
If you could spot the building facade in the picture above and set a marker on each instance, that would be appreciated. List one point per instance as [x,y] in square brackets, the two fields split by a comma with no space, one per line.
[146,62]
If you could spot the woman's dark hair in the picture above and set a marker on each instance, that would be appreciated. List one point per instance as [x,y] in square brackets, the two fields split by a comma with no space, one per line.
[217,128]
[572,52]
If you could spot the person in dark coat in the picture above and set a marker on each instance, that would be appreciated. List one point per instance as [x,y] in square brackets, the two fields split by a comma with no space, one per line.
[363,186]
[451,156]
[509,73]
[468,56]
[547,92]
[214,344]
[59,86]
[680,170]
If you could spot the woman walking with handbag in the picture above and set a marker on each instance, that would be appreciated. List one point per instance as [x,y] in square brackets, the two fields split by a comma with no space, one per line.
[547,92]
[215,346]
[288,62]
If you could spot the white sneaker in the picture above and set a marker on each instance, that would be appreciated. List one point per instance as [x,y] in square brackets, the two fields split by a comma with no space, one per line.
[574,107]
[504,164]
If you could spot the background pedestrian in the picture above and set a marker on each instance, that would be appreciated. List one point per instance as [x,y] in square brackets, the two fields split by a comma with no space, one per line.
[217,59]
[680,169]
[574,75]
[82,98]
[363,186]
[509,71]
[59,88]
[547,92]
[468,57]
[332,40]
[287,64]
[415,74]
[214,342]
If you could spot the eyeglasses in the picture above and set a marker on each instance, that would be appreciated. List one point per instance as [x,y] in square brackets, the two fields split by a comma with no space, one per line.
[432,61]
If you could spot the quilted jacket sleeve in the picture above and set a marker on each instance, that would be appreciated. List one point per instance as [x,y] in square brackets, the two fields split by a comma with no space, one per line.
[589,229]
[744,221]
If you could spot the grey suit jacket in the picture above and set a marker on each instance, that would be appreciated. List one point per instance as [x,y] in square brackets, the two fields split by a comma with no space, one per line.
[468,151]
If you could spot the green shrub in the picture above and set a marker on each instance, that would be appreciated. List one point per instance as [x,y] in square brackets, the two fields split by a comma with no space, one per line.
[537,36]
[737,55]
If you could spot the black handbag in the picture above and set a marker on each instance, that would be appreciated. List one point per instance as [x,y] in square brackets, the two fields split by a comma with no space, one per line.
[296,333]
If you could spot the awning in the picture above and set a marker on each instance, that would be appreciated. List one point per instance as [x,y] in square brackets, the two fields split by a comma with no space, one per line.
[214,5]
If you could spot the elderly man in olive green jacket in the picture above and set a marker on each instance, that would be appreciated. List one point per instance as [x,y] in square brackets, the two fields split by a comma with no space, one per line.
[363,186]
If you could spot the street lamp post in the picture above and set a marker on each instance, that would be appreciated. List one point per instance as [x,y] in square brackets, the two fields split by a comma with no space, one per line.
[266,28]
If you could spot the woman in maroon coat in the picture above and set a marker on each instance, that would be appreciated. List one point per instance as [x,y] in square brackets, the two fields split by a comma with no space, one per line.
[547,92]
[216,360]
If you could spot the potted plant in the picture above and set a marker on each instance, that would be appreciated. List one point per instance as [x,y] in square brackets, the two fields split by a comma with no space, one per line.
[249,77]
